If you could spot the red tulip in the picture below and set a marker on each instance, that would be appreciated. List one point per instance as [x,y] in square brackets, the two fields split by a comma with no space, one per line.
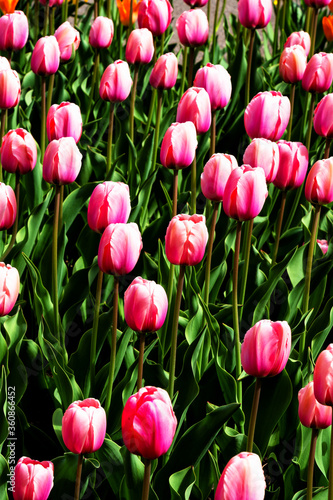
[215,174]
[45,57]
[68,39]
[311,413]
[8,207]
[14,31]
[179,145]
[254,13]
[62,161]
[10,89]
[18,151]
[323,117]
[323,377]
[185,240]
[192,28]
[293,165]
[101,33]
[155,15]
[194,106]
[265,154]
[319,182]
[292,64]
[116,82]
[33,479]
[140,47]
[109,204]
[267,115]
[9,286]
[318,73]
[64,120]
[164,73]
[216,80]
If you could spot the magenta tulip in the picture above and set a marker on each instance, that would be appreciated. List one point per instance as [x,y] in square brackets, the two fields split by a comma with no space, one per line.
[52,3]
[323,377]
[14,31]
[292,64]
[45,57]
[265,154]
[155,15]
[64,120]
[62,161]
[216,80]
[68,39]
[196,3]
[116,82]
[311,413]
[148,423]
[299,38]
[194,106]
[140,47]
[323,117]
[215,174]
[323,245]
[318,73]
[9,286]
[164,73]
[254,13]
[192,28]
[109,204]
[33,479]
[8,207]
[185,240]
[293,165]
[267,115]
[179,145]
[319,182]
[18,151]
[10,89]
[101,33]
[317,3]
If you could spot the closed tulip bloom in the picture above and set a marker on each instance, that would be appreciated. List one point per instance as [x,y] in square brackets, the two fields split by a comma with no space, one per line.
[299,38]
[245,193]
[14,30]
[323,245]
[45,57]
[101,33]
[318,73]
[323,117]
[4,63]
[265,154]
[62,161]
[9,286]
[8,6]
[124,11]
[165,71]
[194,106]
[242,479]
[317,3]
[185,240]
[319,182]
[323,377]
[116,82]
[311,413]
[145,305]
[140,47]
[254,13]
[109,203]
[216,80]
[192,28]
[148,423]
[10,89]
[196,3]
[155,15]
[267,115]
[18,151]
[119,248]
[33,479]
[84,426]
[293,165]
[292,64]
[215,174]
[68,39]
[64,120]
[328,28]
[266,348]
[8,206]
[179,145]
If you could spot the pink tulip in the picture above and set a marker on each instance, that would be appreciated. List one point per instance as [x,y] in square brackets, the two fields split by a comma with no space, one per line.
[18,151]
[216,80]
[266,348]
[52,3]
[179,145]
[8,207]
[9,286]
[254,13]
[155,15]
[194,106]
[109,204]
[323,117]
[267,115]
[33,479]
[64,120]
[10,89]
[45,57]
[299,38]
[140,47]
[317,3]
[311,413]
[62,161]
[293,165]
[148,423]
[265,154]
[164,73]
[145,305]
[323,244]
[68,39]
[215,174]
[84,426]
[319,182]
[318,73]
[101,33]
[116,82]
[185,240]
[242,479]
[4,63]
[245,193]
[192,28]
[196,3]
[14,31]
[323,377]
[292,64]
[119,248]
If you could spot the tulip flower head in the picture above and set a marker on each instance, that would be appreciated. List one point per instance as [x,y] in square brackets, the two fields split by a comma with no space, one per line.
[52,3]
[216,80]
[140,47]
[165,71]
[14,31]
[323,117]
[293,165]
[64,120]
[192,28]
[196,3]
[124,11]
[8,6]
[9,286]
[33,479]
[299,38]
[109,204]
[101,33]
[319,182]
[4,63]
[254,13]
[317,3]
[68,39]
[62,161]
[185,240]
[10,89]
[323,377]
[267,115]
[328,28]
[318,74]
[194,106]
[148,423]
[45,57]
[215,174]
[179,145]
[311,413]
[155,15]
[18,151]
[8,206]
[265,154]
[116,82]
[292,64]
[323,245]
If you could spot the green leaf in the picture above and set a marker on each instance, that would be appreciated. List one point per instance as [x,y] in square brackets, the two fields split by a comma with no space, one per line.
[112,463]
[181,484]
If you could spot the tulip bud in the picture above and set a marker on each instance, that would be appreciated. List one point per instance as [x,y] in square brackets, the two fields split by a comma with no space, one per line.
[242,479]
[109,204]
[18,151]
[318,73]
[45,57]
[299,38]
[124,11]
[145,305]
[8,207]
[254,13]
[328,28]
[265,154]
[140,47]
[194,106]
[192,28]
[292,64]
[179,145]
[323,377]
[293,165]
[323,117]
[196,3]
[319,182]
[84,426]
[68,39]
[64,120]
[323,245]
[245,193]
[148,423]
[311,413]
[10,89]
[101,33]
[164,73]
[267,115]
[119,248]
[266,348]
[33,479]
[9,286]
[317,3]
[4,63]
[14,31]
[155,15]
[215,174]
[216,80]
[185,240]
[116,82]
[62,161]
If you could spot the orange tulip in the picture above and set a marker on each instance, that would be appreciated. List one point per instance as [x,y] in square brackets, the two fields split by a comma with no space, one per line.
[328,27]
[330,6]
[124,11]
[8,6]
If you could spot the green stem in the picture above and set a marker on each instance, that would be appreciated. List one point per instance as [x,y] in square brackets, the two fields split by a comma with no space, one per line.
[190,67]
[247,251]
[146,479]
[76,12]
[36,20]
[309,486]
[210,250]
[194,185]
[173,351]
[330,477]
[208,11]
[140,361]
[292,101]
[327,147]
[15,227]
[65,11]
[307,20]
[130,20]
[108,8]
[94,332]
[249,65]
[78,473]
[46,16]
[279,227]
[62,189]
[254,413]
[49,93]
[283,22]
[151,111]
[310,120]
[157,128]
[133,94]
[113,343]
[213,133]
[2,133]
[52,21]
[215,28]
[313,32]
[110,136]
[96,8]
[55,261]
[312,244]
[182,83]
[235,310]
[174,193]
[276,29]
[93,83]
[43,124]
